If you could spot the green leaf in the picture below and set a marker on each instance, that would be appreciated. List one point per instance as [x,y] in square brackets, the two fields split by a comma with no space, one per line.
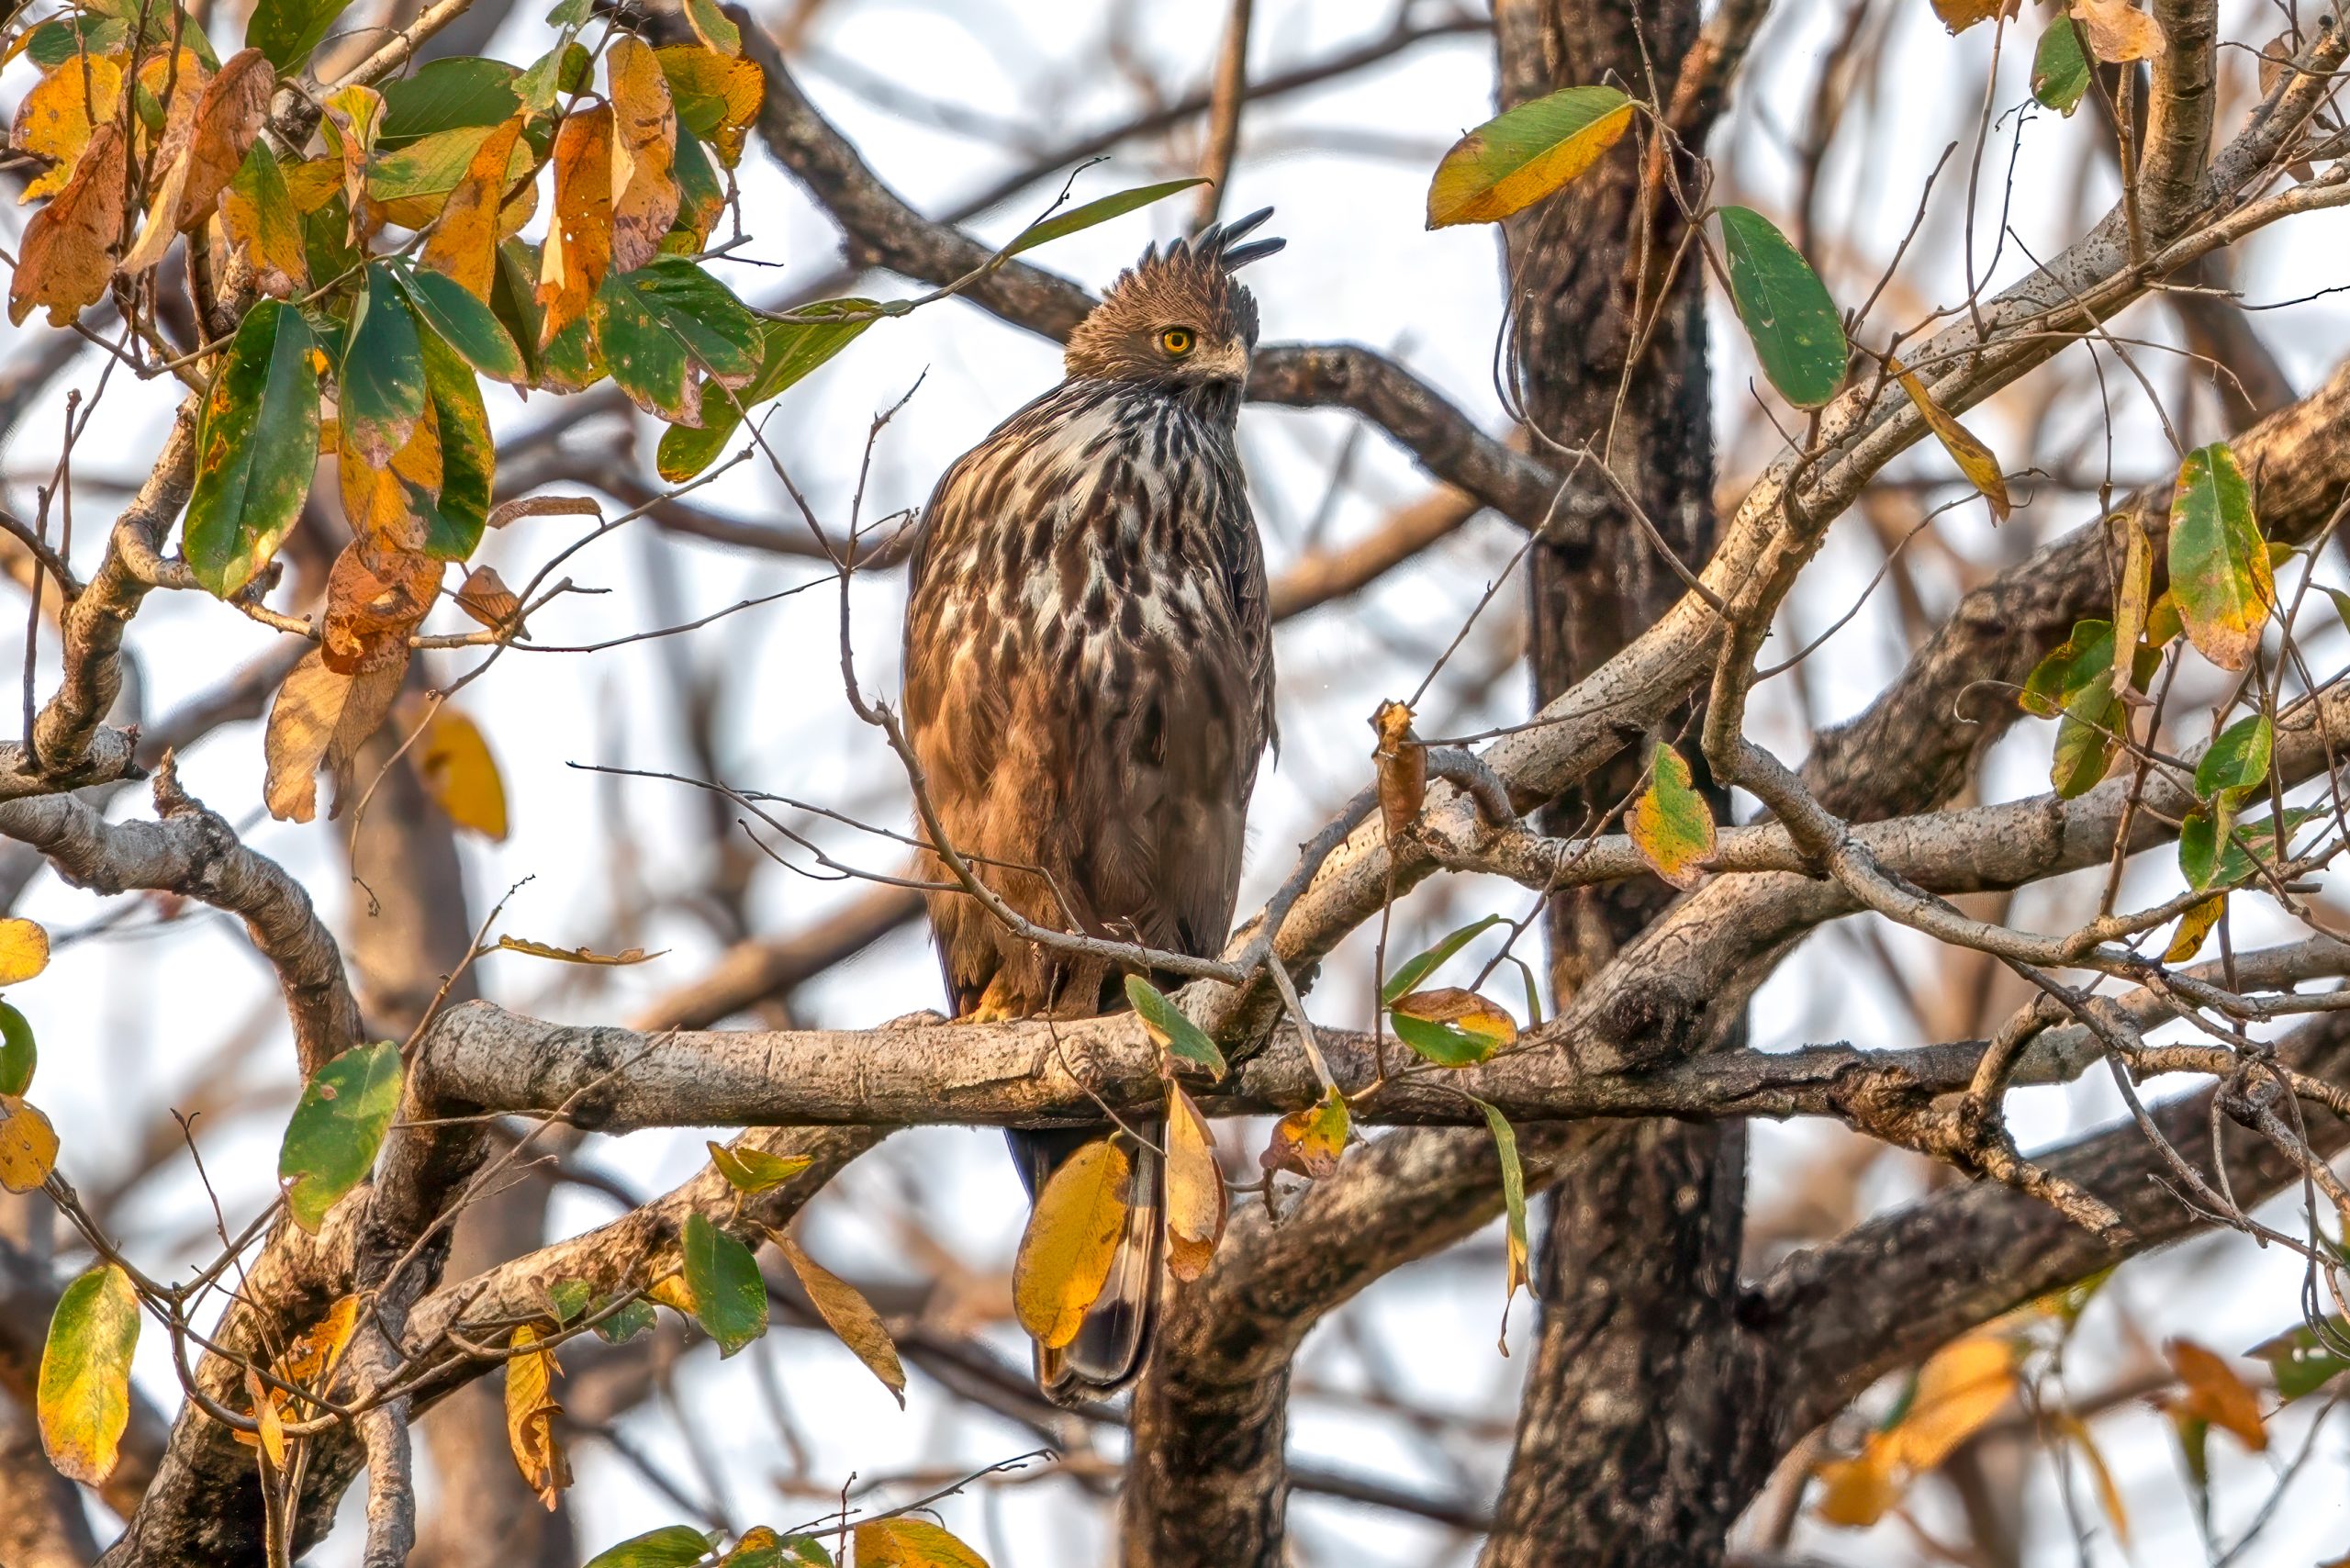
[1443,1044]
[571,12]
[755,1169]
[2301,1359]
[330,1144]
[256,447]
[1671,824]
[446,95]
[789,350]
[701,197]
[2086,739]
[730,1298]
[569,1298]
[2060,72]
[84,1390]
[287,30]
[17,1055]
[1408,976]
[325,239]
[1518,157]
[513,300]
[469,326]
[710,24]
[2198,847]
[159,23]
[1513,1205]
[2237,763]
[1101,209]
[1167,1025]
[666,326]
[2234,866]
[2080,662]
[455,518]
[55,42]
[2219,564]
[626,1323]
[382,379]
[672,1546]
[1798,335]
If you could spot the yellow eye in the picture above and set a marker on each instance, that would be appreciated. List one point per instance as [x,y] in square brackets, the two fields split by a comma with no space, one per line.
[1176,341]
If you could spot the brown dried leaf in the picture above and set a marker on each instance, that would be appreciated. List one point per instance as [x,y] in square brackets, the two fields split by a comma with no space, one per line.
[1197,1203]
[2118,32]
[579,239]
[644,151]
[2275,57]
[67,255]
[577,956]
[487,598]
[849,1315]
[168,168]
[321,716]
[530,1411]
[1307,1143]
[463,244]
[2215,1394]
[1402,767]
[375,598]
[56,118]
[228,121]
[1071,1240]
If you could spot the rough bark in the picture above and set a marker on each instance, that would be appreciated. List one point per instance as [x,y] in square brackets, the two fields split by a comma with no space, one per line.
[1626,1410]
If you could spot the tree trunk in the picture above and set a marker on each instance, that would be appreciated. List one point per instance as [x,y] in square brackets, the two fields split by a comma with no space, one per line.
[1623,1432]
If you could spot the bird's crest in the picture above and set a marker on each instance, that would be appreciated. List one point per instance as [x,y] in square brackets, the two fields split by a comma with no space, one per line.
[1186,291]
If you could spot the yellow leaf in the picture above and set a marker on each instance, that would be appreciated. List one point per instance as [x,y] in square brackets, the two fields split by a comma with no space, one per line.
[2118,32]
[57,117]
[1525,153]
[910,1543]
[1308,1143]
[24,950]
[530,1411]
[1858,1491]
[2108,1496]
[66,258]
[1671,824]
[849,1315]
[1974,460]
[460,773]
[310,1360]
[755,1169]
[28,1146]
[1465,1010]
[2129,605]
[1197,1203]
[1072,1238]
[672,1293]
[266,1416]
[644,151]
[1961,1387]
[575,955]
[736,85]
[83,1396]
[2193,927]
[1960,14]
[2215,1394]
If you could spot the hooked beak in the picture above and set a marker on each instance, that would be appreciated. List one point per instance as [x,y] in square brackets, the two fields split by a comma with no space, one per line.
[1226,360]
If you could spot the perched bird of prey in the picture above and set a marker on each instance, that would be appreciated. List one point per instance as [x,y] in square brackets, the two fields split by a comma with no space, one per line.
[1089,685]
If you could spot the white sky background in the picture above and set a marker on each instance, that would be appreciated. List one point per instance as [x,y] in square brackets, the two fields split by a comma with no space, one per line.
[131,1017]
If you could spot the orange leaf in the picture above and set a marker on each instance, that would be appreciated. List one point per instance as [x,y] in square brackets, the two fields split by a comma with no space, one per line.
[169,166]
[579,240]
[375,600]
[67,255]
[321,716]
[228,121]
[2215,1394]
[463,244]
[487,598]
[1402,767]
[645,151]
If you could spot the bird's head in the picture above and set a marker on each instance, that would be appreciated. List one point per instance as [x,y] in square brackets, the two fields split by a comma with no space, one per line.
[1177,319]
